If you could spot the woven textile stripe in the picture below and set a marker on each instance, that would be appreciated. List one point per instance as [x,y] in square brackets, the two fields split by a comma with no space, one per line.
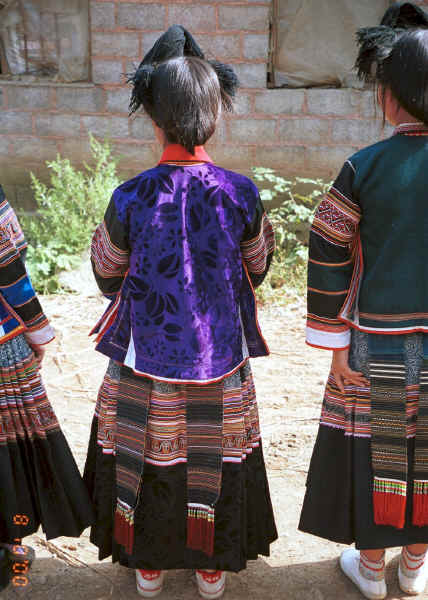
[108,259]
[204,419]
[106,411]
[166,437]
[420,493]
[256,251]
[25,412]
[389,447]
[132,411]
[204,462]
[350,411]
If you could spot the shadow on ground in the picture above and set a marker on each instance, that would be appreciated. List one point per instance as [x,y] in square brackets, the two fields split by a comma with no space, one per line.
[55,580]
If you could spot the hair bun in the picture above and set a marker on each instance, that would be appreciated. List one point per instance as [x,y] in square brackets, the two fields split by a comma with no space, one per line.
[176,42]
[405,15]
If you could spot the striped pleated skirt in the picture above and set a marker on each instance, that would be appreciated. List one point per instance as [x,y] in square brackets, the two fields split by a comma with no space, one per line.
[39,480]
[244,522]
[338,503]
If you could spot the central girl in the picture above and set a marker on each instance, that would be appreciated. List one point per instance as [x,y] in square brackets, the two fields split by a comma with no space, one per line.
[175,465]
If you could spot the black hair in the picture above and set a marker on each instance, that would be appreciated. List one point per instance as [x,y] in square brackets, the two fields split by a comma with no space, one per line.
[394,55]
[405,15]
[184,100]
[405,73]
[181,91]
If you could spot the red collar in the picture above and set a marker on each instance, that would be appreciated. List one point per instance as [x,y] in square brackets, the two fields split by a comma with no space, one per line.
[174,153]
[412,129]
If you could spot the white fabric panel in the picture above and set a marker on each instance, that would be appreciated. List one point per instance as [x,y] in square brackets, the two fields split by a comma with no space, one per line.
[316,40]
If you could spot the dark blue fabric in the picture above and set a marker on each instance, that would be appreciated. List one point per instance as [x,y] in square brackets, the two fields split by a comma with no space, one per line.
[186,298]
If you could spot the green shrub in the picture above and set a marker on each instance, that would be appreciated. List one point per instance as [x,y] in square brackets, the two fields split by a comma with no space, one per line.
[69,209]
[290,205]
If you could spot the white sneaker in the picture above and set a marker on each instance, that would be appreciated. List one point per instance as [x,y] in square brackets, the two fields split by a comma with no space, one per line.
[149,583]
[211,585]
[350,565]
[413,586]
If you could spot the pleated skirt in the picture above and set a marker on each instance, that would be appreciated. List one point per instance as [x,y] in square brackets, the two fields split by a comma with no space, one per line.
[338,503]
[40,483]
[244,521]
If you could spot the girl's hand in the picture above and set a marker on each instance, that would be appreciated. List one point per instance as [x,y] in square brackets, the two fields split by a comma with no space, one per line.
[342,372]
[39,353]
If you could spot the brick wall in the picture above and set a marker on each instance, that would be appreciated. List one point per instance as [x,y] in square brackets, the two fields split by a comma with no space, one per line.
[306,132]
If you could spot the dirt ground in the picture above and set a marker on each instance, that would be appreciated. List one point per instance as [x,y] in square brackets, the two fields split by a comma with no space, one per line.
[289,387]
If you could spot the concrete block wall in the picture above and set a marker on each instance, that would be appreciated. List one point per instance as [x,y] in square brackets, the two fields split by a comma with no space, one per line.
[305,132]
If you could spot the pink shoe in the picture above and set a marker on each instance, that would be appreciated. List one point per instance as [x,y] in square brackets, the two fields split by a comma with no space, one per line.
[211,585]
[149,583]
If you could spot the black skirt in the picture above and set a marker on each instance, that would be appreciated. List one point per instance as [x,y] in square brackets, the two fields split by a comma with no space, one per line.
[244,521]
[338,503]
[40,481]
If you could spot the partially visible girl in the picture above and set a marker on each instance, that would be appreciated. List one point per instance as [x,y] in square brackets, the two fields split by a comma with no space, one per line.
[39,480]
[175,464]
[368,302]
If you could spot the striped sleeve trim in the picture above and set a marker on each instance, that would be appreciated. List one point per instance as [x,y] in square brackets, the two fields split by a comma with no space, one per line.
[109,260]
[327,339]
[255,252]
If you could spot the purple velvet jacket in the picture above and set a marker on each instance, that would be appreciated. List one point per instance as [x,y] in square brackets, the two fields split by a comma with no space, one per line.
[179,251]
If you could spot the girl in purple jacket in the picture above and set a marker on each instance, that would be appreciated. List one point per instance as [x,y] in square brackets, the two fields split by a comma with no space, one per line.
[175,464]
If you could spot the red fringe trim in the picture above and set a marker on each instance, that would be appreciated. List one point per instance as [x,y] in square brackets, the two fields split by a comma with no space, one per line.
[200,531]
[123,532]
[389,509]
[420,510]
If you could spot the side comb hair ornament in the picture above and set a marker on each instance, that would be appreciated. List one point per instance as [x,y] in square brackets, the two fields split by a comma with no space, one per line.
[175,42]
[376,44]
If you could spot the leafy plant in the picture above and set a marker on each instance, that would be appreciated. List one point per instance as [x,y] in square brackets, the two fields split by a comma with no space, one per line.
[69,208]
[290,205]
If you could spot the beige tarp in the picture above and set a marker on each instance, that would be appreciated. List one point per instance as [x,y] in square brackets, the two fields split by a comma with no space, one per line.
[45,38]
[315,39]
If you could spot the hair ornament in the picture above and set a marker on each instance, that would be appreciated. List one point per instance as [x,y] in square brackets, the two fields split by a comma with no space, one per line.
[377,43]
[175,42]
[228,81]
[141,81]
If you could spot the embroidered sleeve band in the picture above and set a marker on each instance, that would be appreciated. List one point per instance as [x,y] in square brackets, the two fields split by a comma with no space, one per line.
[109,252]
[258,245]
[331,245]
